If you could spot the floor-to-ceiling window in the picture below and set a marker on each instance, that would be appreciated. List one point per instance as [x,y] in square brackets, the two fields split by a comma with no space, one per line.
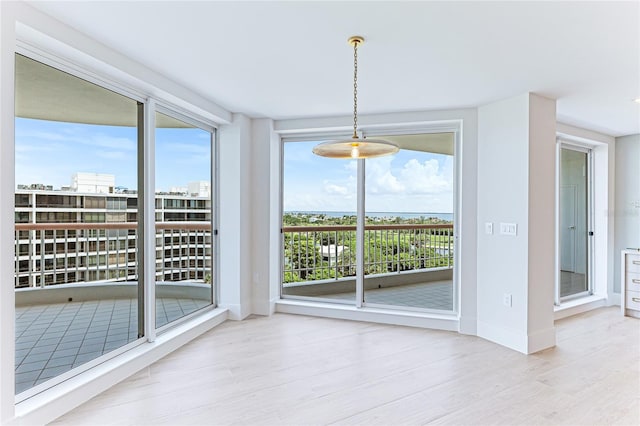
[184,214]
[76,273]
[82,157]
[574,222]
[408,241]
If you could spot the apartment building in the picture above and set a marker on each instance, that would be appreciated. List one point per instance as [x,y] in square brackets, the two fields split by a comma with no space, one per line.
[67,236]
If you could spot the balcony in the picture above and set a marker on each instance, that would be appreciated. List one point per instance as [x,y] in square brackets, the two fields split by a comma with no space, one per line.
[77,290]
[409,265]
[76,283]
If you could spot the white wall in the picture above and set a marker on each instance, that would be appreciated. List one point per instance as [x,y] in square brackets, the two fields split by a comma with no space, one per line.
[7,177]
[263,219]
[516,184]
[541,215]
[235,210]
[627,196]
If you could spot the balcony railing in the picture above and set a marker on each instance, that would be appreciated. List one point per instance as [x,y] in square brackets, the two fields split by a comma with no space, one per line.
[329,252]
[58,253]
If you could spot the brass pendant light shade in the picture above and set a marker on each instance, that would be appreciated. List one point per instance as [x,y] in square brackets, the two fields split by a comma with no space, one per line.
[355,147]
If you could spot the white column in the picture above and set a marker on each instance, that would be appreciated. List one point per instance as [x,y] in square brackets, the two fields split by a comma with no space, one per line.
[516,186]
[466,223]
[265,219]
[235,233]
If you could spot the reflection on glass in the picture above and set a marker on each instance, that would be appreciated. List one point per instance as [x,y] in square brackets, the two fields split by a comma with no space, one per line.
[409,225]
[319,225]
[184,214]
[75,201]
[573,222]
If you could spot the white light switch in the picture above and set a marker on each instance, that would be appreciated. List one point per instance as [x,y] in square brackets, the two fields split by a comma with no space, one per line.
[509,229]
[507,300]
[488,228]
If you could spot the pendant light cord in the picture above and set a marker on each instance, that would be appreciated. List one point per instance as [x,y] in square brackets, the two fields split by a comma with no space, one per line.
[355,90]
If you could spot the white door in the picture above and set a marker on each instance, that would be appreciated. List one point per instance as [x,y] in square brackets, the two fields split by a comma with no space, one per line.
[568,228]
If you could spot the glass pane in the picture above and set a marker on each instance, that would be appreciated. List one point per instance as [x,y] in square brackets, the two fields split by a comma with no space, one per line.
[409,224]
[184,214]
[573,222]
[319,225]
[76,175]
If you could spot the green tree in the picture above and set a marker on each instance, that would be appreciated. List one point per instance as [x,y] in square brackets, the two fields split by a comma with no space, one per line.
[302,255]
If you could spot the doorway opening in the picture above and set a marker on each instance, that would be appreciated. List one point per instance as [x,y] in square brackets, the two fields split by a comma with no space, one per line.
[575,223]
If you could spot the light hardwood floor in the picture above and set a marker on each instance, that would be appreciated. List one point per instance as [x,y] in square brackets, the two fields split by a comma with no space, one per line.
[295,370]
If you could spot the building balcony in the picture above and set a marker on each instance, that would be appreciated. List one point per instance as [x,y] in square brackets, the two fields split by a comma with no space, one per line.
[78,303]
[408,265]
[64,326]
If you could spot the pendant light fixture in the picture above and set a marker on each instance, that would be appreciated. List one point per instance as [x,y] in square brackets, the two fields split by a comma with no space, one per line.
[355,147]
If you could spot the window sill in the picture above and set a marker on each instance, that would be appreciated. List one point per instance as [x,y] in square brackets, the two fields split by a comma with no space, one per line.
[578,306]
[446,321]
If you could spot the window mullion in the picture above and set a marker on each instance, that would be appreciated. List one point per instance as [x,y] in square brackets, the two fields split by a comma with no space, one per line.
[146,177]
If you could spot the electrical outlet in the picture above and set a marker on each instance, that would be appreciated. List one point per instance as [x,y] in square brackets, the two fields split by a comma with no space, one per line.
[507,300]
[488,228]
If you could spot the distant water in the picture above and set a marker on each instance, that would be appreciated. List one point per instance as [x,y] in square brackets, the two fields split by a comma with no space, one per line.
[443,216]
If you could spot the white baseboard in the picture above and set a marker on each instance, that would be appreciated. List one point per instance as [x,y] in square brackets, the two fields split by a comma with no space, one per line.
[615,299]
[468,326]
[512,339]
[526,343]
[236,311]
[541,339]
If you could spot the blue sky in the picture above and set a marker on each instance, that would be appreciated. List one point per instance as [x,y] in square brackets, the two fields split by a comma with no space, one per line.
[410,181]
[50,152]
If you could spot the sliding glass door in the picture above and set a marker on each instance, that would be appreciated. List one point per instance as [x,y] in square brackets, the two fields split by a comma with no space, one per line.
[76,204]
[407,244]
[574,223]
[184,218]
[408,239]
[80,232]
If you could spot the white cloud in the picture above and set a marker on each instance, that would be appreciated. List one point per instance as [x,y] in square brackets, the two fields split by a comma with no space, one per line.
[331,188]
[408,182]
[70,136]
[425,178]
[380,179]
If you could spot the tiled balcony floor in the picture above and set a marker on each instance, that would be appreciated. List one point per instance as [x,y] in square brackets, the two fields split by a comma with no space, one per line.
[53,339]
[432,295]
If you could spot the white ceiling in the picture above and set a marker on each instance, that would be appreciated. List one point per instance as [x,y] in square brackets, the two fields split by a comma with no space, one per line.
[291,59]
